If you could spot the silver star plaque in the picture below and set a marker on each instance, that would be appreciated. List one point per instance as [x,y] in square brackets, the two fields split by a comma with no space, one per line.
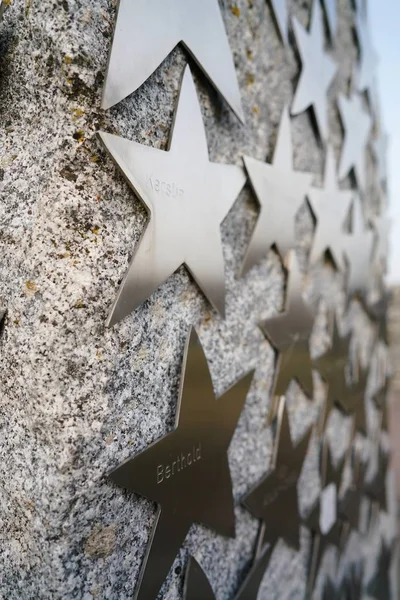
[330,7]
[274,499]
[187,198]
[317,73]
[357,126]
[148,30]
[280,191]
[281,16]
[289,333]
[358,249]
[187,472]
[197,586]
[330,206]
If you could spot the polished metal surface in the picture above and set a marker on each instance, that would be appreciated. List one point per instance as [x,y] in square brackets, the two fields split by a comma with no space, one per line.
[375,487]
[197,586]
[330,7]
[147,31]
[281,15]
[331,207]
[350,504]
[280,191]
[358,250]
[251,585]
[379,585]
[380,148]
[187,198]
[333,367]
[186,472]
[331,477]
[357,125]
[368,56]
[274,499]
[289,333]
[318,71]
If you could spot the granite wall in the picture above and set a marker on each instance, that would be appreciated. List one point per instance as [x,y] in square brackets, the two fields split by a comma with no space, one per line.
[76,399]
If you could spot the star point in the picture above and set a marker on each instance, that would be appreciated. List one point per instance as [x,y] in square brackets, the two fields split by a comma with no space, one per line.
[331,17]
[281,17]
[186,472]
[147,31]
[187,198]
[280,191]
[196,583]
[318,71]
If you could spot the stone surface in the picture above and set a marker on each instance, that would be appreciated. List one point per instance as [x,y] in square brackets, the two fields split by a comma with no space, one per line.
[77,399]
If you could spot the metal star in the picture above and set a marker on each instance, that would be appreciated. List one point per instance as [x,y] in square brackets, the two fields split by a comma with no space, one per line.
[281,16]
[352,584]
[375,488]
[197,586]
[3,6]
[333,368]
[323,518]
[289,333]
[380,148]
[280,191]
[382,227]
[379,586]
[274,499]
[318,71]
[357,125]
[148,30]
[187,472]
[350,505]
[187,197]
[331,17]
[251,585]
[354,403]
[368,56]
[358,249]
[330,206]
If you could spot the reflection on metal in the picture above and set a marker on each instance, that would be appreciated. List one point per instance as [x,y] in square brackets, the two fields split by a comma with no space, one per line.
[330,7]
[147,31]
[317,73]
[350,505]
[331,478]
[368,56]
[357,125]
[197,586]
[375,488]
[187,197]
[358,250]
[187,472]
[281,15]
[274,499]
[280,192]
[289,333]
[333,366]
[251,585]
[331,206]
[380,400]
[379,586]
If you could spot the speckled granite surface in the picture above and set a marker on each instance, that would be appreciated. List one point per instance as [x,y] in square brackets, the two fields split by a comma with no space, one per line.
[77,399]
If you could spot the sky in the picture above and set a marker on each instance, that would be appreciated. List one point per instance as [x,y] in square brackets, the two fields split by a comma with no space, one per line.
[384,19]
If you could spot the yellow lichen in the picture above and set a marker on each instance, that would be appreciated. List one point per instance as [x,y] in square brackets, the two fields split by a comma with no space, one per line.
[235,10]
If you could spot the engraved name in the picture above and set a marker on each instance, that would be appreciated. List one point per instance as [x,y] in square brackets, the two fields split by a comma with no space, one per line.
[169,188]
[181,462]
[286,481]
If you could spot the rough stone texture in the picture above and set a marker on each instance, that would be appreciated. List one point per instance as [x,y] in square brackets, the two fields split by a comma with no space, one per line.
[77,399]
